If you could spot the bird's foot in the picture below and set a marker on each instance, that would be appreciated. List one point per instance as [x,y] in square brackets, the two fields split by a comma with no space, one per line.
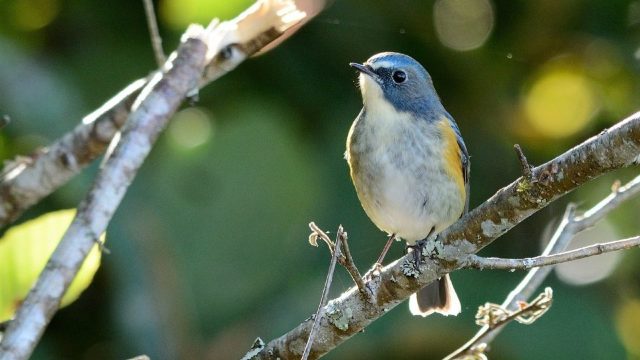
[416,252]
[418,249]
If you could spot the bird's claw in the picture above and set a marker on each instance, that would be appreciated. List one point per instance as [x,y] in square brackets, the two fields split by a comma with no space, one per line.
[416,252]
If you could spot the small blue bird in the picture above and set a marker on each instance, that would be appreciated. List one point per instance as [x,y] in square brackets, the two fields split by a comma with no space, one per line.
[408,163]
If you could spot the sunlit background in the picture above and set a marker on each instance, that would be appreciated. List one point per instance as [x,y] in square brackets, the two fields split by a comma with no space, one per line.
[209,248]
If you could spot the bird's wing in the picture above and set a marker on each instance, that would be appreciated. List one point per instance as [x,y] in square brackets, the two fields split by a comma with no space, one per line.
[466,171]
[464,161]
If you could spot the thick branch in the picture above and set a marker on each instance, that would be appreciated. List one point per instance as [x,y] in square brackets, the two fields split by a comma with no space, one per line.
[614,148]
[157,102]
[27,180]
[566,231]
[153,108]
[570,226]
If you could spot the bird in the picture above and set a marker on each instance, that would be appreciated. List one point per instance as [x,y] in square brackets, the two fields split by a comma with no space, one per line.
[408,163]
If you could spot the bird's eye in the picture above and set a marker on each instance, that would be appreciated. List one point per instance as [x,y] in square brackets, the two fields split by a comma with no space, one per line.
[399,76]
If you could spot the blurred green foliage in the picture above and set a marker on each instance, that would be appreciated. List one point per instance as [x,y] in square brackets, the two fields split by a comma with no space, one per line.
[24,251]
[209,248]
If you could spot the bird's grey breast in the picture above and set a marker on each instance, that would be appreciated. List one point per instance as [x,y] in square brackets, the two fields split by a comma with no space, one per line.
[396,165]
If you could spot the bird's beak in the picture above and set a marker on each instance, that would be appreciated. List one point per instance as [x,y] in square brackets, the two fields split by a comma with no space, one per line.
[365,69]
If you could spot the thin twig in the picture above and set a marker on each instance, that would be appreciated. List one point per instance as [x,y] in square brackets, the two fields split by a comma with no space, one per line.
[344,258]
[350,265]
[494,316]
[154,33]
[325,293]
[316,232]
[524,164]
[570,225]
[559,242]
[478,262]
[619,194]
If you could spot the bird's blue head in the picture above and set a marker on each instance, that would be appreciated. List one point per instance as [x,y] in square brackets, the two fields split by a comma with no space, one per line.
[399,80]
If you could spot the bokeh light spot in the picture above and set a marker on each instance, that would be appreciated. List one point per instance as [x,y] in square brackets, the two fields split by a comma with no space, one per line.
[595,268]
[560,103]
[463,24]
[627,324]
[180,13]
[34,14]
[190,128]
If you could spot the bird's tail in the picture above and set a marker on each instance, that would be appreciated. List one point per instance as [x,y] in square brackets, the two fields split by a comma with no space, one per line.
[439,296]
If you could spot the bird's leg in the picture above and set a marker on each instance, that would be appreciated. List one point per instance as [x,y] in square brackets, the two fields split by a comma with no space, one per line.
[416,249]
[377,267]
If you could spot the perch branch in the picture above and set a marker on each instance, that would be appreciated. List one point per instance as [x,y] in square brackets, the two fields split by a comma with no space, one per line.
[161,96]
[614,148]
[570,225]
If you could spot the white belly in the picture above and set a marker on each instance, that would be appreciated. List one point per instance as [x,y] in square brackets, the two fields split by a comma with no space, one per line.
[411,205]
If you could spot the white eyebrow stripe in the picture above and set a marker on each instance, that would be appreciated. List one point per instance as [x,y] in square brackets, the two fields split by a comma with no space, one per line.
[382,64]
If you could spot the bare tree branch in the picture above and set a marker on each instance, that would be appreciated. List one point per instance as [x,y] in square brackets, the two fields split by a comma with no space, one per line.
[154,34]
[351,267]
[325,293]
[348,314]
[27,180]
[477,262]
[525,167]
[578,224]
[157,102]
[494,316]
[570,225]
[614,148]
[152,110]
[344,255]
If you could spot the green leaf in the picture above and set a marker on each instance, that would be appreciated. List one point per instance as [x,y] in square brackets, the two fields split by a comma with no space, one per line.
[24,251]
[180,13]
